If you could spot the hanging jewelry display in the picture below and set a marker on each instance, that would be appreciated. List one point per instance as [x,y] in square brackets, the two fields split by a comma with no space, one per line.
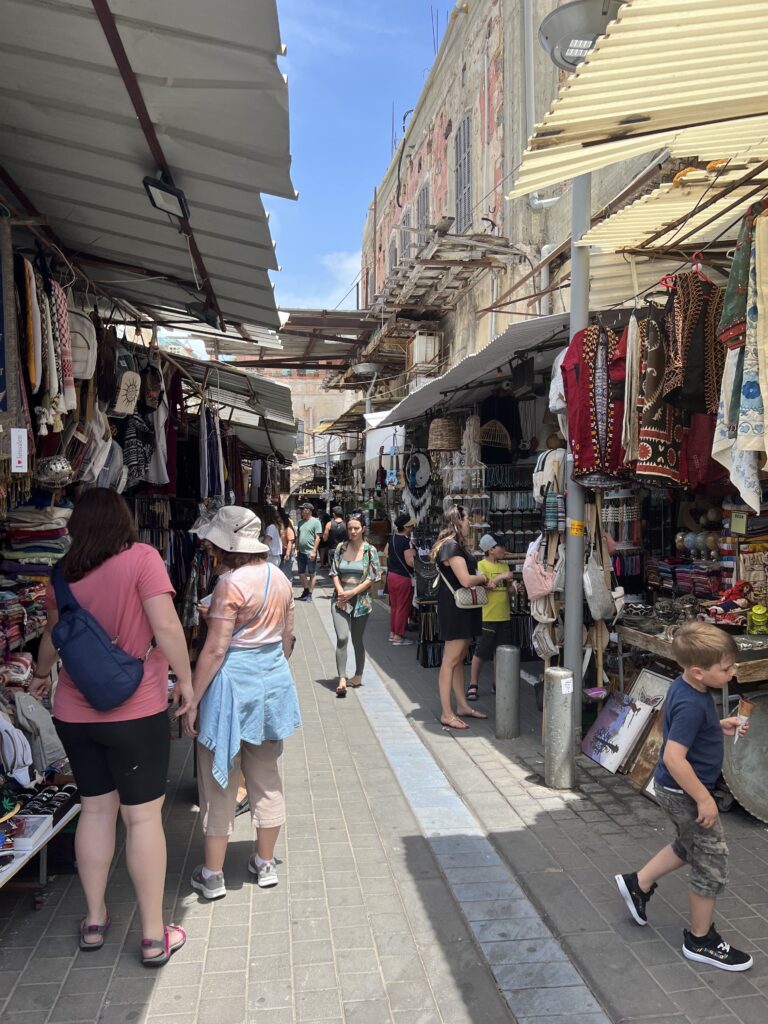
[527,411]
[417,493]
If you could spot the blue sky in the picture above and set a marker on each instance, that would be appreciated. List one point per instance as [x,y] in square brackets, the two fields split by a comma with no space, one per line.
[348,61]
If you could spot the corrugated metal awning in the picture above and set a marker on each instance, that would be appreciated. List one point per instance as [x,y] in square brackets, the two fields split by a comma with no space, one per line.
[477,375]
[683,74]
[73,145]
[648,216]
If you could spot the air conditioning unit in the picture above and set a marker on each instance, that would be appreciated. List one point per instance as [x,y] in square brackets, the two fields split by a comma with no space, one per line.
[424,351]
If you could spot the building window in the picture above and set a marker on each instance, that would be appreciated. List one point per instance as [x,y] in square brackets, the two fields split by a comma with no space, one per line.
[368,288]
[406,237]
[392,254]
[463,157]
[422,214]
[300,438]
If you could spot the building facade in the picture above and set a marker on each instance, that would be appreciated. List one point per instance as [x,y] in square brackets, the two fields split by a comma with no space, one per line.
[441,244]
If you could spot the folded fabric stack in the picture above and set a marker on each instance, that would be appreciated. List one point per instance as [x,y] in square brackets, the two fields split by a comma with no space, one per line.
[36,535]
[16,670]
[13,619]
[706,578]
[32,599]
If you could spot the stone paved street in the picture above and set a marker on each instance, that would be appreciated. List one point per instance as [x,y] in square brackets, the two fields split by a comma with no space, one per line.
[426,877]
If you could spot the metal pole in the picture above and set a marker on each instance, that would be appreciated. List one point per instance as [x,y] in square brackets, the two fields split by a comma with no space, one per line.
[573,651]
[507,678]
[328,470]
[559,751]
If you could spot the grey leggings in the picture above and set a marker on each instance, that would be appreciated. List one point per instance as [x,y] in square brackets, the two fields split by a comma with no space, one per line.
[344,624]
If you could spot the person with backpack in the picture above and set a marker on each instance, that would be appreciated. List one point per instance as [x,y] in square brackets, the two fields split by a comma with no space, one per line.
[355,567]
[400,556]
[112,620]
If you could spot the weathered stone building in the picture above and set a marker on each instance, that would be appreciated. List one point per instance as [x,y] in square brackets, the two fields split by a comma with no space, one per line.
[441,244]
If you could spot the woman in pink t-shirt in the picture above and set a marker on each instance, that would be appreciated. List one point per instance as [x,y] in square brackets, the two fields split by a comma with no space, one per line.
[120,757]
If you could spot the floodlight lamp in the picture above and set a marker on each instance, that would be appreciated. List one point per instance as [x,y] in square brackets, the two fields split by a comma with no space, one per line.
[167,198]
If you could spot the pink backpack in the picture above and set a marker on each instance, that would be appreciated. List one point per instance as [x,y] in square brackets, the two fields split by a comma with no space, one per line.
[538,577]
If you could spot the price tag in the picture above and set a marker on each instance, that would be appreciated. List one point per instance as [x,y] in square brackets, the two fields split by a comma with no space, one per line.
[739,522]
[566,685]
[576,528]
[19,453]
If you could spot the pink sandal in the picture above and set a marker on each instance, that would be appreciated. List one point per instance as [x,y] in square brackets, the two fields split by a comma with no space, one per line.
[165,945]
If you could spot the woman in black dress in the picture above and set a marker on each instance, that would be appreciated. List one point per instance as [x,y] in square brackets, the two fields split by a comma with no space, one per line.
[458,626]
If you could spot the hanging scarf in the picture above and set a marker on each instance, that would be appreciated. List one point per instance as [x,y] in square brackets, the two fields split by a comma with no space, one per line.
[750,431]
[732,328]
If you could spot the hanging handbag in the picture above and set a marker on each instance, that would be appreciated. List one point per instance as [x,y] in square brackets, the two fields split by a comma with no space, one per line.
[597,593]
[538,576]
[425,572]
[544,642]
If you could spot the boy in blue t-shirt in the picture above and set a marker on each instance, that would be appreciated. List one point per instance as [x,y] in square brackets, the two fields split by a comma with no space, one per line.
[690,761]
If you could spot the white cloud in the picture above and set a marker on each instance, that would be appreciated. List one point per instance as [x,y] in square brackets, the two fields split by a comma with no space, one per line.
[325,287]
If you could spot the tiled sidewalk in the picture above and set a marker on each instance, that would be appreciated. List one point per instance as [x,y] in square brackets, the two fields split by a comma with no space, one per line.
[361,929]
[564,850]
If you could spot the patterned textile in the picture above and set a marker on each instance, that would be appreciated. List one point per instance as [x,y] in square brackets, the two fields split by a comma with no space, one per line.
[62,321]
[732,328]
[594,369]
[660,456]
[750,432]
[742,465]
[695,358]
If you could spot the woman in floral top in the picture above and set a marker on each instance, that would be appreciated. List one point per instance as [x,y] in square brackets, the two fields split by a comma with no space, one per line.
[354,568]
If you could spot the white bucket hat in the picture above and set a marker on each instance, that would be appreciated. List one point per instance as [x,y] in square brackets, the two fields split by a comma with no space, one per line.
[236,530]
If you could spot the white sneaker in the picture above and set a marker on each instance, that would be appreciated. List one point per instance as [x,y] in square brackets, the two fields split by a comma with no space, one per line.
[266,874]
[212,888]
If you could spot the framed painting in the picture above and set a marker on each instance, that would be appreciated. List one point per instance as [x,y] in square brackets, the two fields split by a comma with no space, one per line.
[617,730]
[651,687]
[647,757]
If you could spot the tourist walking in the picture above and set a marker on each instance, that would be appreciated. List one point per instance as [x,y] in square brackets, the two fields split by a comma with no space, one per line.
[288,540]
[335,531]
[354,568]
[400,555]
[119,757]
[244,701]
[457,567]
[272,536]
[310,533]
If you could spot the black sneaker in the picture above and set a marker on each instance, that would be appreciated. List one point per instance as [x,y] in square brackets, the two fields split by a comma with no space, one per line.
[634,896]
[713,949]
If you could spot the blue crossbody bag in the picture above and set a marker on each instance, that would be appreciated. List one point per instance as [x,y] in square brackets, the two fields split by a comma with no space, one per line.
[101,670]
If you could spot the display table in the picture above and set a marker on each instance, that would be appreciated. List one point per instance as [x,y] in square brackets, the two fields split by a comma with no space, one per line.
[749,669]
[22,857]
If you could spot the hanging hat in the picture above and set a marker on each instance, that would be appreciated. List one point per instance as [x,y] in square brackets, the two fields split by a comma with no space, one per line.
[236,530]
[52,473]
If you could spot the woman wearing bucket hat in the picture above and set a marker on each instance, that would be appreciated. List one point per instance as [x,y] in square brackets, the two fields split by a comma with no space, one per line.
[245,700]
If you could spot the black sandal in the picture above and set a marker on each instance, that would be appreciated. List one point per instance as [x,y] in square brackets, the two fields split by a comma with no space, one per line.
[472,692]
[341,691]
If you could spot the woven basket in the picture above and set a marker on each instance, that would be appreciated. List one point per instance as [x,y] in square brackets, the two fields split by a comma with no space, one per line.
[495,435]
[444,435]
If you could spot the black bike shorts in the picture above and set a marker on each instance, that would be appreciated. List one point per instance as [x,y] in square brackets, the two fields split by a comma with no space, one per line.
[130,757]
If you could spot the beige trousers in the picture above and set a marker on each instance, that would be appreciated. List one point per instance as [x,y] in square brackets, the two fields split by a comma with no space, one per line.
[258,765]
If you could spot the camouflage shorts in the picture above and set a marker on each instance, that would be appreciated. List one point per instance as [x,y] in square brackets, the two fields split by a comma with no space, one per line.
[704,849]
